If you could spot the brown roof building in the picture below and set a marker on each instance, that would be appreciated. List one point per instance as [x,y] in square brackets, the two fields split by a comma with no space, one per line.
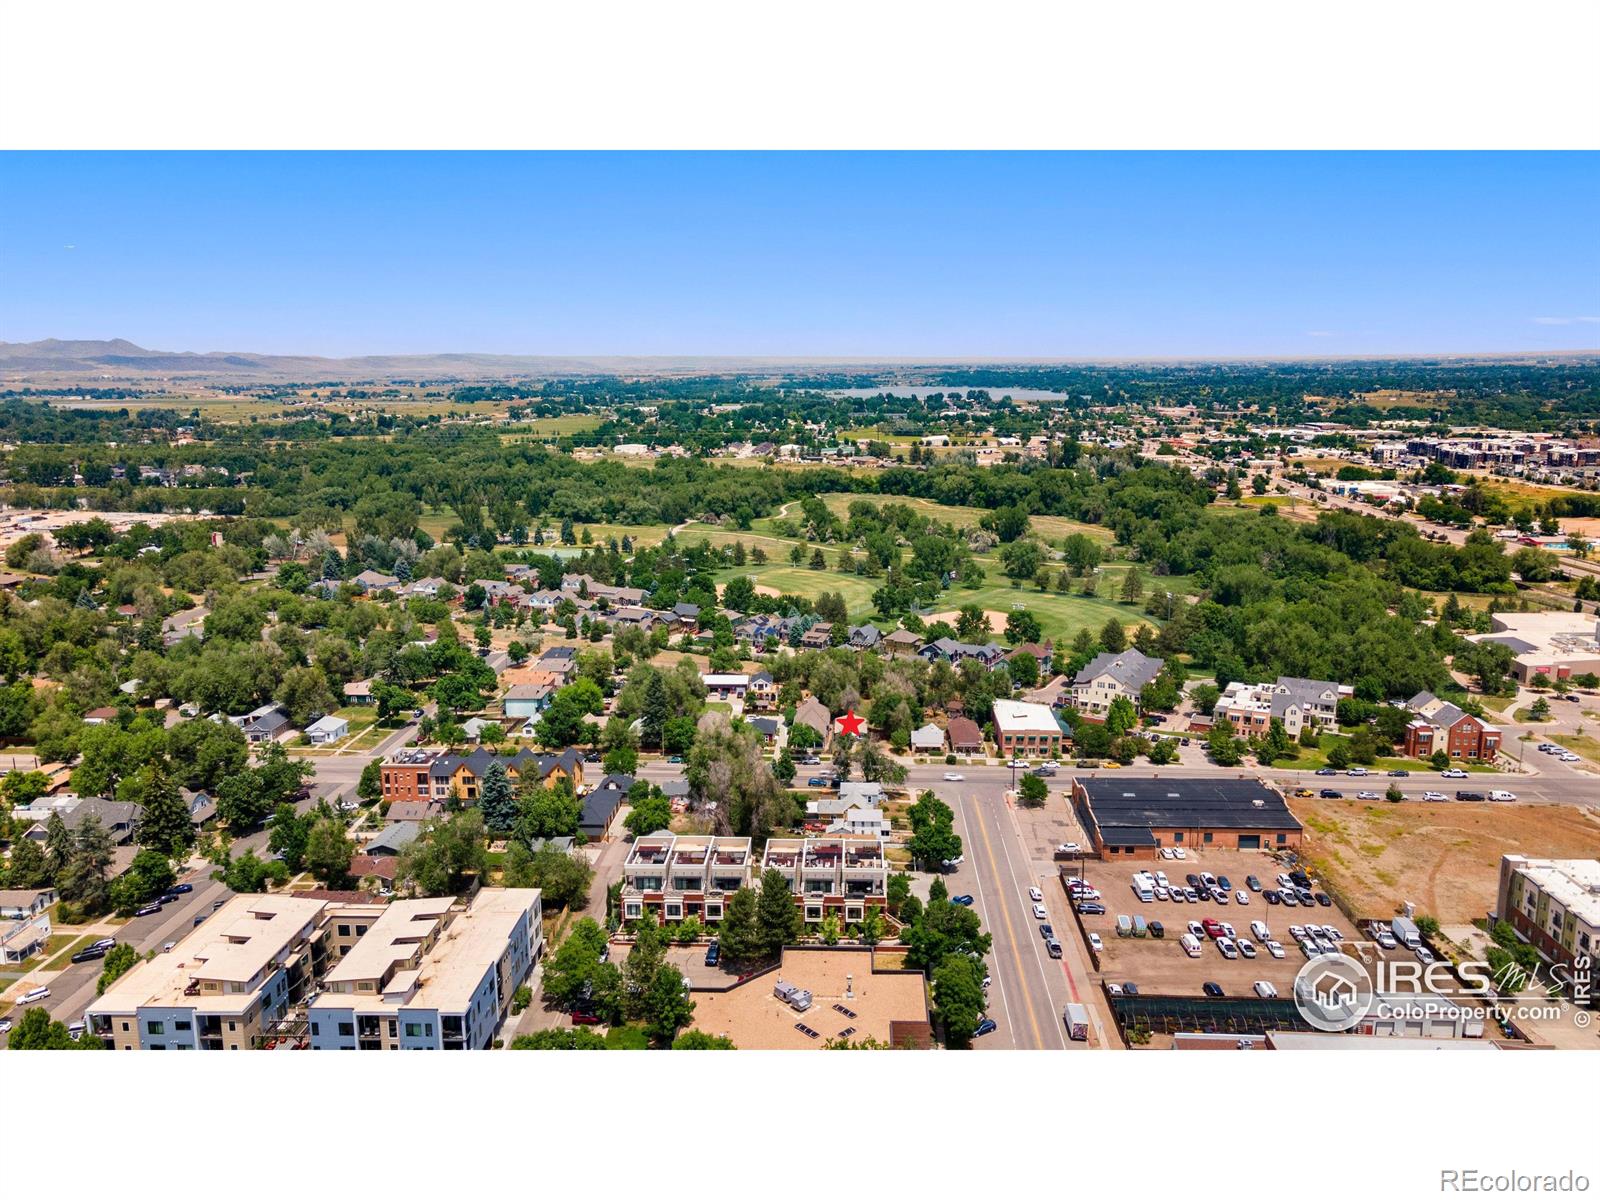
[965,736]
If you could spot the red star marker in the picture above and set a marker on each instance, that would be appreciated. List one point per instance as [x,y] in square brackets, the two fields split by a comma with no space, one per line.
[851,724]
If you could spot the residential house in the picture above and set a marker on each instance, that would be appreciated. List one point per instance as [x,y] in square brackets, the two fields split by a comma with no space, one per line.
[19,940]
[902,643]
[1042,653]
[327,729]
[1112,676]
[526,700]
[769,727]
[600,806]
[430,773]
[358,692]
[394,837]
[817,637]
[725,687]
[951,651]
[265,724]
[19,904]
[685,617]
[191,622]
[376,581]
[927,740]
[965,736]
[99,716]
[864,637]
[415,811]
[812,712]
[761,693]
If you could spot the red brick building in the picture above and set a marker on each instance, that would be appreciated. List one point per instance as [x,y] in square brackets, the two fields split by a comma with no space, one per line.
[1443,726]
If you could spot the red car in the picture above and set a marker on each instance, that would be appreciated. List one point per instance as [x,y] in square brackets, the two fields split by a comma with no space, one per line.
[1213,928]
[582,1017]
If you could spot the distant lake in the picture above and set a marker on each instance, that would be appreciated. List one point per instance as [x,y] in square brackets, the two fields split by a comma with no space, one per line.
[997,393]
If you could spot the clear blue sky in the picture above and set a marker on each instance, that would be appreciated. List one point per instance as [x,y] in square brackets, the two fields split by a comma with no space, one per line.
[939,255]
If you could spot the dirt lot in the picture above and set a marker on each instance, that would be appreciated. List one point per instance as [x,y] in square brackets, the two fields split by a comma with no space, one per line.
[1159,966]
[1444,858]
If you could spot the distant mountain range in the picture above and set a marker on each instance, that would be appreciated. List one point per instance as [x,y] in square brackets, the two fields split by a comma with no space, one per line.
[55,362]
[91,361]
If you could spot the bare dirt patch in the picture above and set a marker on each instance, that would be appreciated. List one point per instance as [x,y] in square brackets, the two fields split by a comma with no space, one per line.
[1444,858]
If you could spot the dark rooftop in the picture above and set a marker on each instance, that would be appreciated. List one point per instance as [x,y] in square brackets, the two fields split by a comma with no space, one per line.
[1185,803]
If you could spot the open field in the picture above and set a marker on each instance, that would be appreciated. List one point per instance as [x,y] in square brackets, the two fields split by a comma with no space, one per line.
[1444,858]
[802,581]
[1053,528]
[542,428]
[1060,617]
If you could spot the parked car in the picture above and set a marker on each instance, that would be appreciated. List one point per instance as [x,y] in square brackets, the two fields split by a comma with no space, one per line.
[1069,848]
[1265,990]
[33,996]
[1212,989]
[585,1016]
[1052,948]
[1241,896]
[963,900]
[1047,931]
[1091,908]
[1251,882]
[713,953]
[1095,943]
[149,910]
[1040,913]
[1274,948]
[987,1025]
[1271,896]
[88,954]
[1331,794]
[1035,895]
[954,777]
[1324,899]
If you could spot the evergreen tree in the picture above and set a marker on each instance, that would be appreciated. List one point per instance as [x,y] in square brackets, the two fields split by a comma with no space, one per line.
[498,799]
[164,822]
[778,921]
[740,932]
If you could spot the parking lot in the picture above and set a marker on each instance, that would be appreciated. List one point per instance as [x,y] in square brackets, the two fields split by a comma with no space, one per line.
[1159,966]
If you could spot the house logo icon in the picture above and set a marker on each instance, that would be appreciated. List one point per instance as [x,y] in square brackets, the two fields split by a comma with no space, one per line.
[1333,993]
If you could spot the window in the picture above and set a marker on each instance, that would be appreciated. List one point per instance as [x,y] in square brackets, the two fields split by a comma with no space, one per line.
[413,1029]
[1206,837]
[632,910]
[344,931]
[347,1029]
[316,1030]
[1282,838]
[1177,837]
[181,1025]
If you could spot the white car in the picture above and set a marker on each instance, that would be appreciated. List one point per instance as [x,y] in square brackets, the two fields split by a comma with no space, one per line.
[1017,764]
[1241,896]
[1041,913]
[1095,943]
[1424,955]
[34,996]
[5,1024]
[1179,852]
[1068,848]
[1035,895]
[1259,929]
[1453,773]
[1161,879]
[951,863]
[1246,947]
[1166,852]
[1265,990]
[1274,948]
[1366,795]
[1435,797]
[953,777]
[1226,948]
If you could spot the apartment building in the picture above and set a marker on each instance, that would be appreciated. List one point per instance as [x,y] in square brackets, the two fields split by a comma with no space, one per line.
[1554,904]
[838,873]
[1108,677]
[1027,730]
[1440,725]
[430,974]
[675,877]
[1251,707]
[224,985]
[434,774]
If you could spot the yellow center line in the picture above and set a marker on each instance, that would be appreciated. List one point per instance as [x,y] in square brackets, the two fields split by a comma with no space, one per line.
[1005,914]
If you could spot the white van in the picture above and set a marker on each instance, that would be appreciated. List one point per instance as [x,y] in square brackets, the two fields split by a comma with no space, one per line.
[1190,944]
[1502,794]
[34,996]
[1143,888]
[1262,933]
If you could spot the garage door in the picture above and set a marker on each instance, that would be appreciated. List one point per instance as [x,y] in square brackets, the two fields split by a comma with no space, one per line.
[1249,841]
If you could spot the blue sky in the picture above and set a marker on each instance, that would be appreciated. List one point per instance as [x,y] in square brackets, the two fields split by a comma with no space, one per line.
[920,255]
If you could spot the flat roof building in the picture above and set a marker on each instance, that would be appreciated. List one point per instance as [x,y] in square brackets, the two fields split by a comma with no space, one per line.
[1136,817]
[430,975]
[1026,730]
[1554,904]
[223,985]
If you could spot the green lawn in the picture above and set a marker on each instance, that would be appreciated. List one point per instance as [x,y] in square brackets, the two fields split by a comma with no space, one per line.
[1060,617]
[1052,528]
[802,581]
[1313,760]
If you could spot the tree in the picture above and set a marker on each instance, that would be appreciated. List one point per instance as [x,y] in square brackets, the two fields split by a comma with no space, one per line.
[1113,636]
[329,851]
[740,931]
[1022,560]
[1225,749]
[1132,586]
[1163,752]
[119,960]
[36,1030]
[958,999]
[695,1039]
[497,799]
[576,972]
[972,623]
[560,1039]
[1121,717]
[444,854]
[287,834]
[370,787]
[164,818]
[652,813]
[1393,794]
[84,881]
[1339,755]
[1276,745]
[28,868]
[147,877]
[1033,791]
[933,836]
[1022,626]
[778,920]
[665,1007]
[525,868]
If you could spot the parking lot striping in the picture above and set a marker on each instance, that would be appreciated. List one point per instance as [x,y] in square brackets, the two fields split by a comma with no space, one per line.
[977,874]
[1044,973]
[1005,913]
